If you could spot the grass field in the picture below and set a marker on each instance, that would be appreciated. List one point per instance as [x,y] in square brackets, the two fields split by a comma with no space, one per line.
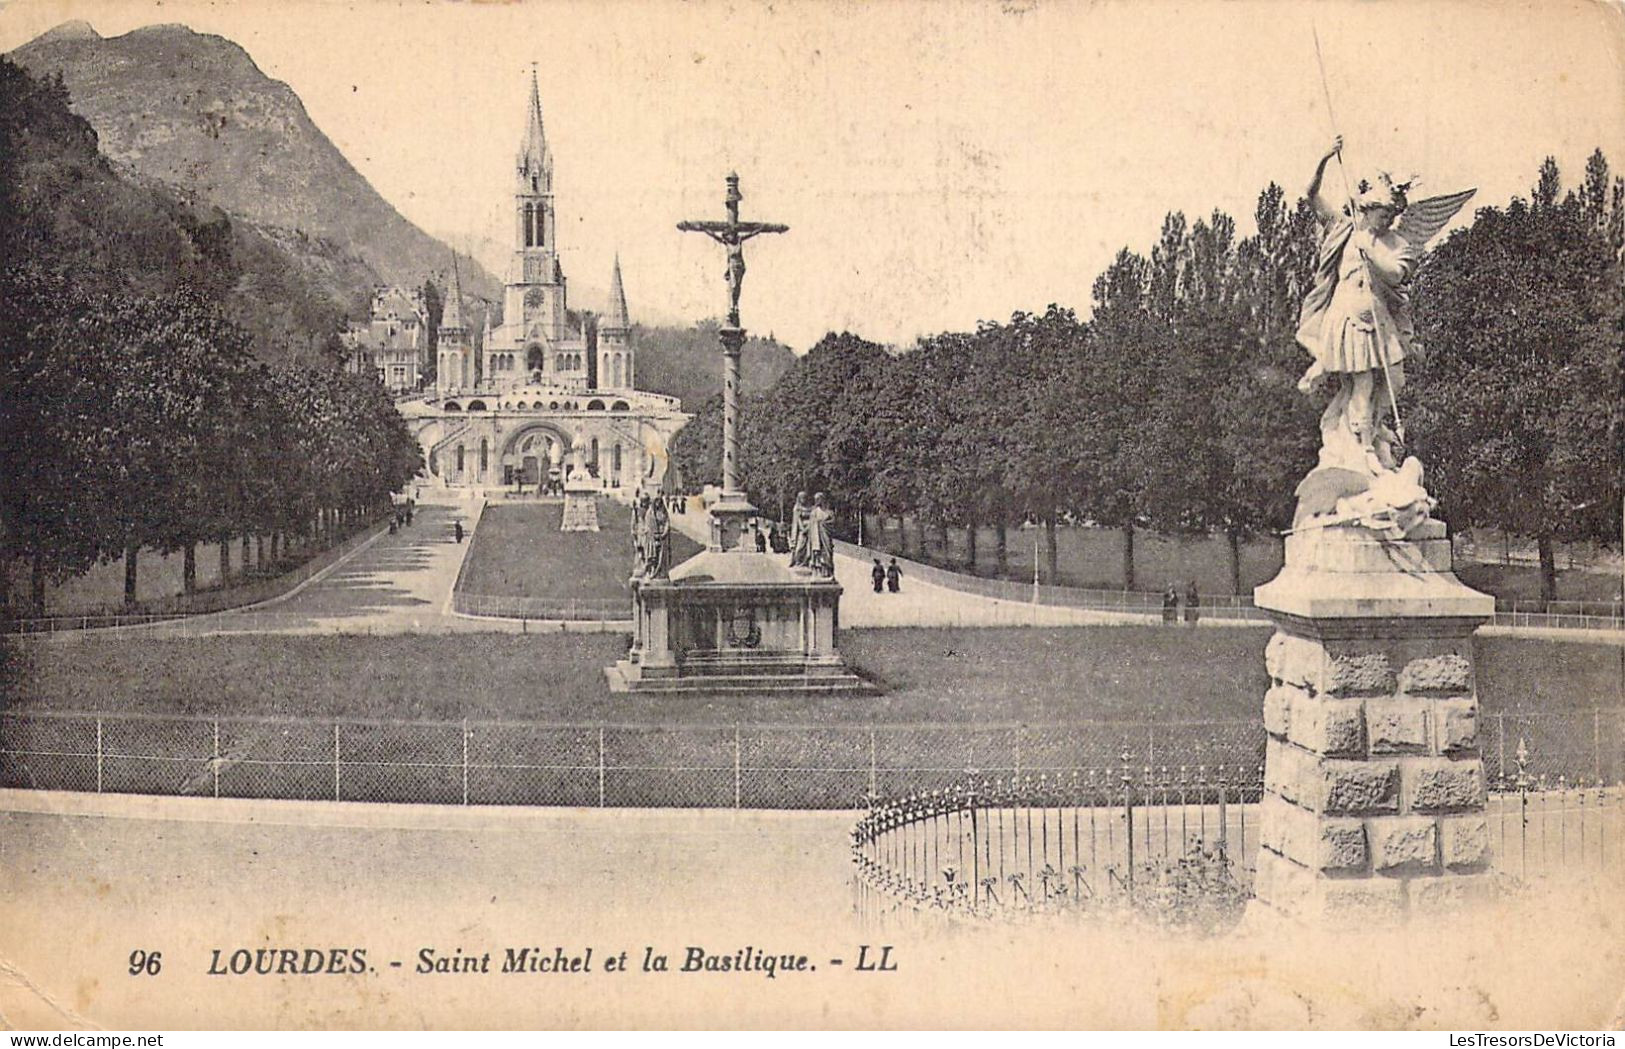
[519,551]
[931,676]
[1522,582]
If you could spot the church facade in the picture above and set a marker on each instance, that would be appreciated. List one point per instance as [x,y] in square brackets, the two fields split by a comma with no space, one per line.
[508,409]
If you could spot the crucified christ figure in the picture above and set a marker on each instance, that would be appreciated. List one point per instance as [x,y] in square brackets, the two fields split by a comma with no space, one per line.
[732,235]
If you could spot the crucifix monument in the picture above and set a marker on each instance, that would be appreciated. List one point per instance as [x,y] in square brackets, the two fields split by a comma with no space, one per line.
[730,515]
[732,619]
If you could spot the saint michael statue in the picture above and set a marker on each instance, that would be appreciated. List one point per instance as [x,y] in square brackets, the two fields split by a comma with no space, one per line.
[1356,325]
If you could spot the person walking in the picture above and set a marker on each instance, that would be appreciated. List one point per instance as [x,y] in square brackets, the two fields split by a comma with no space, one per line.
[878,574]
[457,530]
[894,577]
[1193,603]
[1170,604]
[761,537]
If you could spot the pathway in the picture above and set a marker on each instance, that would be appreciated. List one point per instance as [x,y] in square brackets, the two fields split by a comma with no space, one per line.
[926,604]
[392,584]
[402,584]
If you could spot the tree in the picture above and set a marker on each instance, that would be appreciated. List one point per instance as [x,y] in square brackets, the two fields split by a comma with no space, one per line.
[1121,342]
[53,416]
[814,430]
[1266,428]
[697,448]
[1515,403]
[434,305]
[1044,408]
[131,413]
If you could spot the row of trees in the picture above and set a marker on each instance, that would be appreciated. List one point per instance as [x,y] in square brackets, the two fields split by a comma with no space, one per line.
[133,411]
[1173,407]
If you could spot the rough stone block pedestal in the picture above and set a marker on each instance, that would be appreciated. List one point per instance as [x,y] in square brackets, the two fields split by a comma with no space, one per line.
[1374,788]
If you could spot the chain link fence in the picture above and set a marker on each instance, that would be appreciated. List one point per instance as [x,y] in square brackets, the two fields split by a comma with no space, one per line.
[720,766]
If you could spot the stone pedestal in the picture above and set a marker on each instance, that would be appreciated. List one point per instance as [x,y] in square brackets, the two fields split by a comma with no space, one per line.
[734,620]
[1374,789]
[731,516]
[580,506]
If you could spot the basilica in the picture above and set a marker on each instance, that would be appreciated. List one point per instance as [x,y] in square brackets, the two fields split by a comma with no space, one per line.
[510,408]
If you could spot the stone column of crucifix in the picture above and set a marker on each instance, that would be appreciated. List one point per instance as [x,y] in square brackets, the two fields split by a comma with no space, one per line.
[731,234]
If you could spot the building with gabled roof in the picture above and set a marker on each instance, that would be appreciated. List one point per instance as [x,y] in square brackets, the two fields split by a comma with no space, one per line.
[391,342]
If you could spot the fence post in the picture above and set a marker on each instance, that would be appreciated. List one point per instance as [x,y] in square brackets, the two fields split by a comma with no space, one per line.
[1128,814]
[465,761]
[214,764]
[1501,746]
[98,755]
[336,761]
[1596,745]
[600,766]
[736,766]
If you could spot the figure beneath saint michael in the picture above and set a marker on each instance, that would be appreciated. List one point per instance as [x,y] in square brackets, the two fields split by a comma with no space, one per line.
[1356,320]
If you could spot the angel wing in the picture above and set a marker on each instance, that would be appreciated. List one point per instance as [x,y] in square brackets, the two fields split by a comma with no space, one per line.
[1421,221]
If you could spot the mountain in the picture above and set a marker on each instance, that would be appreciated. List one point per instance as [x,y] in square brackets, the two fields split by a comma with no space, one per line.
[193,111]
[62,197]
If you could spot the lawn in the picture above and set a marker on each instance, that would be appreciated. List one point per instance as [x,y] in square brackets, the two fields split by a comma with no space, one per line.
[1522,582]
[518,551]
[929,676]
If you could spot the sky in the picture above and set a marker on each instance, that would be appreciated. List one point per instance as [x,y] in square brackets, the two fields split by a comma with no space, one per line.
[937,163]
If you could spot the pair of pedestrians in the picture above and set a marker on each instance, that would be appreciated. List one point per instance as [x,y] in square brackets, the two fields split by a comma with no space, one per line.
[887,577]
[1172,600]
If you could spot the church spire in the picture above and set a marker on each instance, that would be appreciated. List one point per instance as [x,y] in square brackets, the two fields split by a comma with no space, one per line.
[535,162]
[616,316]
[451,316]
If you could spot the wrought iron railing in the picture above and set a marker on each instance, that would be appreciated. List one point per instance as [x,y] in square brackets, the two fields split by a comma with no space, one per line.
[616,610]
[1175,845]
[1034,844]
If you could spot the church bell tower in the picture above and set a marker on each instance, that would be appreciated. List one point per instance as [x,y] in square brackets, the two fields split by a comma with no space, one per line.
[535,286]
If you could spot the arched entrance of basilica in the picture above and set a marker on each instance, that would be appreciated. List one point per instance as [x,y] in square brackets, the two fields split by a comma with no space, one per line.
[533,454]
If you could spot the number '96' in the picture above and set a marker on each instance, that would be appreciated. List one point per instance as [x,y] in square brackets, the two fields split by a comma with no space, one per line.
[146,963]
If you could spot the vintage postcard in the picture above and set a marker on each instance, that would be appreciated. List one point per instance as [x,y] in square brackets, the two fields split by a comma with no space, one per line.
[751,515]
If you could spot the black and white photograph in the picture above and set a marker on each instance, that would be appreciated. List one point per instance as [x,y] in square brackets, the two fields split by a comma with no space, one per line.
[744,515]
